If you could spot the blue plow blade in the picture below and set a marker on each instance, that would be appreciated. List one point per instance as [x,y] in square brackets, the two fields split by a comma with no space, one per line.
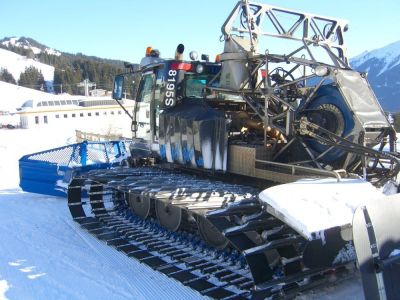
[49,172]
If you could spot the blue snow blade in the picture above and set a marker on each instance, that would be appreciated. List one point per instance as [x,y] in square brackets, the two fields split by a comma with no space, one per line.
[49,172]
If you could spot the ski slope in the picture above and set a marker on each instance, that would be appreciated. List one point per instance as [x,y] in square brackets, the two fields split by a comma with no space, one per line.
[46,255]
[16,64]
[13,96]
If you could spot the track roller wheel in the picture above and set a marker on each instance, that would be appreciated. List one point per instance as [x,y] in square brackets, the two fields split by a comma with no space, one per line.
[140,205]
[210,234]
[168,216]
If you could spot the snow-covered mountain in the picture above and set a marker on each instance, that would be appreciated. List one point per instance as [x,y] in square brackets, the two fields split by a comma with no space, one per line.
[28,44]
[383,67]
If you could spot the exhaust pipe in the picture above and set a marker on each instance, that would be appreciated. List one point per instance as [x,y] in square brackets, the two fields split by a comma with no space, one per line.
[179,52]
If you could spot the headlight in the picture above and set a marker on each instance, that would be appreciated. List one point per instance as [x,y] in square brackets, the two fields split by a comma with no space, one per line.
[321,71]
[193,55]
[199,69]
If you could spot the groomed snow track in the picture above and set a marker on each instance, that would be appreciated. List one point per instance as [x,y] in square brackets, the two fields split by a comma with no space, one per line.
[253,266]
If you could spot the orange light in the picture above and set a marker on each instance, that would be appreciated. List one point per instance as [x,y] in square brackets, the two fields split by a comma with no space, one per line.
[148,50]
[218,58]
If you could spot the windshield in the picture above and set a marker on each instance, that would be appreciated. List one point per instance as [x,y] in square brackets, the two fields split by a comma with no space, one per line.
[195,85]
[195,88]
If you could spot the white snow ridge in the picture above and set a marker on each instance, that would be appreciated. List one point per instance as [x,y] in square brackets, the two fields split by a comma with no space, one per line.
[24,43]
[390,55]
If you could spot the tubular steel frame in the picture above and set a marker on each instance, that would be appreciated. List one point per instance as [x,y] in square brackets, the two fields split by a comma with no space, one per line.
[255,21]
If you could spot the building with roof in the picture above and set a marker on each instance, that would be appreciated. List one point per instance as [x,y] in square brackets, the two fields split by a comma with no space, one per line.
[93,114]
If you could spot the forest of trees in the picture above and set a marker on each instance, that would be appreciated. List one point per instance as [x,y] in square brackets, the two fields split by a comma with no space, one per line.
[69,73]
[70,70]
[32,78]
[7,76]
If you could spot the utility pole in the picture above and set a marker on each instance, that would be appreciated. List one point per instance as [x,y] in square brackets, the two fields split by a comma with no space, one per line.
[86,84]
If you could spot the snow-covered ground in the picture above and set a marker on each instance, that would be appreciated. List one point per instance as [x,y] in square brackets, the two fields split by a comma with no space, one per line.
[13,96]
[16,64]
[44,254]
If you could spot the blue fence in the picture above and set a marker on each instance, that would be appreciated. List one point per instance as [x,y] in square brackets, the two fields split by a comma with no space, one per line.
[49,172]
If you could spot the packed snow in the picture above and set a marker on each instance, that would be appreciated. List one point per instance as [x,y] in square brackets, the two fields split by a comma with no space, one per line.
[296,201]
[45,254]
[13,96]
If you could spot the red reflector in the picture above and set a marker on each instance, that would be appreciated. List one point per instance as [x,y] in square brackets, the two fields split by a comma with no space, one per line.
[182,66]
[264,73]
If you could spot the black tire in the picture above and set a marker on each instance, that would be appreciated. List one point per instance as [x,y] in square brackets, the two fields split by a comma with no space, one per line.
[329,117]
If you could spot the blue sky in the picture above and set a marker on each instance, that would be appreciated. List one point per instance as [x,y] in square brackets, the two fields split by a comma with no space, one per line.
[122,29]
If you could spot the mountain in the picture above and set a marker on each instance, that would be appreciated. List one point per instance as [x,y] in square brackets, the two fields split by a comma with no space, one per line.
[383,68]
[25,46]
[64,71]
[29,45]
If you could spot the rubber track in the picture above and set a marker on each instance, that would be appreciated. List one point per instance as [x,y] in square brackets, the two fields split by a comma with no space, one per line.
[183,256]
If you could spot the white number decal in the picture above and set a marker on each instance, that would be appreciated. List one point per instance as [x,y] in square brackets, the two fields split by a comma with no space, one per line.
[169,101]
[170,92]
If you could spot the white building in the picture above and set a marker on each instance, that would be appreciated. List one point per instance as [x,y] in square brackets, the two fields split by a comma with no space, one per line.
[91,114]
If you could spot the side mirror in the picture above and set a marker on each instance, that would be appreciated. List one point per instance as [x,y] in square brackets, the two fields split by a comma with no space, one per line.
[118,87]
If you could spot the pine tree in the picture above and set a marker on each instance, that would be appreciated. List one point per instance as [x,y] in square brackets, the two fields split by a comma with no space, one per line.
[32,78]
[7,76]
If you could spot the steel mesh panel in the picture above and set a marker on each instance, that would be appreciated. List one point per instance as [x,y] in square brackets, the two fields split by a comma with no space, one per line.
[96,153]
[81,154]
[59,156]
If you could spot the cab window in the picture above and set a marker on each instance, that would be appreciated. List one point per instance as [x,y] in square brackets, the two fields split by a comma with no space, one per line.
[146,88]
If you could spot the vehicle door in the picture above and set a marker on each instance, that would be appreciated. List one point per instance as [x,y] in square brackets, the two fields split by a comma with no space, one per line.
[143,107]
